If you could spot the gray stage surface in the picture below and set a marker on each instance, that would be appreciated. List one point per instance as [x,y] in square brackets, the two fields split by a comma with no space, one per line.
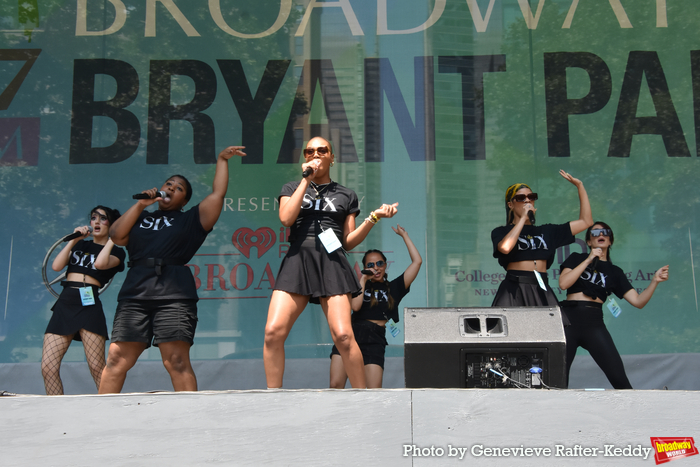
[383,427]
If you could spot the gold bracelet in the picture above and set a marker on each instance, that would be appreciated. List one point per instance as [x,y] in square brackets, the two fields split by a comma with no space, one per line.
[374,217]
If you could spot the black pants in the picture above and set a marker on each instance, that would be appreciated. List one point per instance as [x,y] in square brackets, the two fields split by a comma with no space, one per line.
[587,330]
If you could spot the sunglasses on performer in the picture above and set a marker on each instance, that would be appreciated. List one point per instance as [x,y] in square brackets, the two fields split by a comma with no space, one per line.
[322,150]
[520,198]
[599,232]
[379,264]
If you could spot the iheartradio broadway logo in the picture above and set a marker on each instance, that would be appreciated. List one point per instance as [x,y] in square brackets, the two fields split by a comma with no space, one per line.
[668,449]
[263,239]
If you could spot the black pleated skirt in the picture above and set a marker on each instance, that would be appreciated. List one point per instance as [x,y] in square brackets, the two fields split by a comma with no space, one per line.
[520,288]
[308,269]
[70,315]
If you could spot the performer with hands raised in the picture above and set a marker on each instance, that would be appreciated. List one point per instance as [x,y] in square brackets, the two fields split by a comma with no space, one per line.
[78,313]
[321,214]
[158,300]
[589,280]
[526,251]
[378,303]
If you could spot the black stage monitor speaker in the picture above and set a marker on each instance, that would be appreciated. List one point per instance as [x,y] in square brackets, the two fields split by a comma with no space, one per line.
[522,347]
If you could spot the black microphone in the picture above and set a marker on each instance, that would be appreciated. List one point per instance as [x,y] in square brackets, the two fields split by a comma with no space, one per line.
[70,237]
[531,216]
[307,171]
[594,263]
[160,194]
[367,272]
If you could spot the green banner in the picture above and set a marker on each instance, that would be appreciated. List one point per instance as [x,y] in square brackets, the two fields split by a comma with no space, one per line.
[439,105]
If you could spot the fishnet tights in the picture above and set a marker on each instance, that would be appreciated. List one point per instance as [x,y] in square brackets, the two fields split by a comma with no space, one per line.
[55,348]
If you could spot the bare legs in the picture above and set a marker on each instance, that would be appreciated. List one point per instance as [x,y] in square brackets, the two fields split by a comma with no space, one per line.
[123,355]
[121,358]
[284,310]
[373,373]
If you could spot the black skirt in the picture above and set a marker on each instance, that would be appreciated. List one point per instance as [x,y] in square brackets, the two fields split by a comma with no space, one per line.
[520,288]
[308,269]
[70,315]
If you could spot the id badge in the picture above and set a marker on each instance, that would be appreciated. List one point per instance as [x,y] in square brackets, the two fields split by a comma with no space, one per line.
[86,296]
[393,328]
[540,281]
[614,307]
[329,240]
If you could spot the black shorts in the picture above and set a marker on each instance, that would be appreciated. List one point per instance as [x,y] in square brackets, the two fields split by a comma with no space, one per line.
[371,338]
[155,321]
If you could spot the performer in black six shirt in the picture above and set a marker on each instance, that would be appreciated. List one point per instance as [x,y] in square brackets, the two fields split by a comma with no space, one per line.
[526,251]
[372,310]
[321,214]
[78,314]
[589,280]
[158,300]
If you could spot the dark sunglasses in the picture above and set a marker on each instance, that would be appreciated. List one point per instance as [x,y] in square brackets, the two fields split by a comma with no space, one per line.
[520,198]
[379,264]
[322,150]
[599,232]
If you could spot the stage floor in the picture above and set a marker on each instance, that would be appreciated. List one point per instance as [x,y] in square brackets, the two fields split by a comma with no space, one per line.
[384,427]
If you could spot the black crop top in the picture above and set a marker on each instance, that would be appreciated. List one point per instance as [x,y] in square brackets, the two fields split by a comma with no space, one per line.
[599,283]
[381,311]
[535,242]
[82,261]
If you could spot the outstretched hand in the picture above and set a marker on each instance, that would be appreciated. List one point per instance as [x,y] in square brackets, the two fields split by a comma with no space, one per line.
[231,151]
[575,181]
[399,230]
[387,210]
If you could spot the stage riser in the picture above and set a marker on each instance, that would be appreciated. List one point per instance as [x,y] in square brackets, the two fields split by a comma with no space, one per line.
[336,427]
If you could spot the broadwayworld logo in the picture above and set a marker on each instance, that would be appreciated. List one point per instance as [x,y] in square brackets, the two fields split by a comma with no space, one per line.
[668,449]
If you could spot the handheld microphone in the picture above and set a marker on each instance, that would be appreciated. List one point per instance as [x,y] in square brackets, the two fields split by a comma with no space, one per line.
[531,216]
[308,171]
[160,194]
[367,272]
[594,263]
[70,237]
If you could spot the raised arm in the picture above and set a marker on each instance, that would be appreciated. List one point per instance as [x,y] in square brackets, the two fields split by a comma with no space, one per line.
[210,207]
[105,260]
[508,242]
[411,271]
[568,277]
[61,260]
[120,229]
[354,236]
[640,300]
[585,217]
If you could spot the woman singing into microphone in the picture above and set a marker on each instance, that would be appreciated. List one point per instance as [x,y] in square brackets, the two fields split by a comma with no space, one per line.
[321,214]
[158,300]
[589,280]
[78,314]
[526,251]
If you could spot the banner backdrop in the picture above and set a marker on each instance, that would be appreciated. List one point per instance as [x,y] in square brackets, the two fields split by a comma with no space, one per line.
[439,105]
